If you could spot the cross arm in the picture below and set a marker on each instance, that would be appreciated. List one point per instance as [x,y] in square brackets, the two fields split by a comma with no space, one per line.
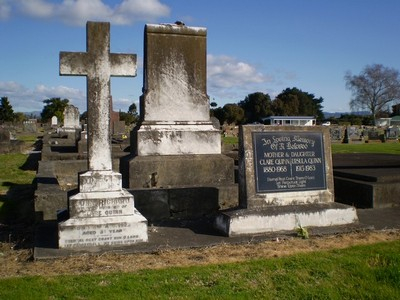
[74,63]
[123,64]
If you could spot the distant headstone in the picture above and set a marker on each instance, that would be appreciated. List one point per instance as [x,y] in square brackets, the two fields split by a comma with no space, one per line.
[355,134]
[71,118]
[118,128]
[392,133]
[54,121]
[30,126]
[102,213]
[285,181]
[336,134]
[374,134]
[4,135]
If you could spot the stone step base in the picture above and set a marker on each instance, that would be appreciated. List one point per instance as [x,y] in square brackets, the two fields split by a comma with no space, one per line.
[284,218]
[103,231]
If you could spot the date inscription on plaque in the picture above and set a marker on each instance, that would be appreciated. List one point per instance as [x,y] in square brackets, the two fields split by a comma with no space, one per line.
[289,161]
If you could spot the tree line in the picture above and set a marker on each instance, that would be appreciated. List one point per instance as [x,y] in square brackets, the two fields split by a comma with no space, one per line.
[257,106]
[374,89]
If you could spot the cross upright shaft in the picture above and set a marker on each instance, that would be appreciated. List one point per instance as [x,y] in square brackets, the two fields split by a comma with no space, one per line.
[98,64]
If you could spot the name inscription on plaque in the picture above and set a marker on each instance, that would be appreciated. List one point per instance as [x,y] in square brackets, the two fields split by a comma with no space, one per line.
[289,161]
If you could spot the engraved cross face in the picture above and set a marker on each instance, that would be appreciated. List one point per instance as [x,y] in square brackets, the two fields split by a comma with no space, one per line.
[98,65]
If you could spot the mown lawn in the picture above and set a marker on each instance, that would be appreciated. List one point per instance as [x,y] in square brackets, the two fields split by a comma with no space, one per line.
[360,272]
[386,148]
[16,188]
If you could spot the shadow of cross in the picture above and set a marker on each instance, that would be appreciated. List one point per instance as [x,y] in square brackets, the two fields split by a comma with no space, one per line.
[98,64]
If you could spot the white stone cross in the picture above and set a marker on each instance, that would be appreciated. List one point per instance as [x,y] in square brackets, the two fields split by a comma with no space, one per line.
[98,64]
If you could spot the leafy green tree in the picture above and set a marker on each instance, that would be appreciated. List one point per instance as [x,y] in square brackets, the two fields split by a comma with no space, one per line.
[20,117]
[295,102]
[233,113]
[54,107]
[218,113]
[6,110]
[374,88]
[131,116]
[256,106]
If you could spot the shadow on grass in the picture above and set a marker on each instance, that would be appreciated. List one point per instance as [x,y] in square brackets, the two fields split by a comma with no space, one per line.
[17,214]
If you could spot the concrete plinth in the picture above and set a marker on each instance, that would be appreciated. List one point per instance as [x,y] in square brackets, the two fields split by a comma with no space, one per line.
[102,231]
[284,218]
[177,139]
[165,171]
[102,219]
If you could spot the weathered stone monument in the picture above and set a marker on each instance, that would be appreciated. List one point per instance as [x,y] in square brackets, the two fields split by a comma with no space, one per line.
[54,122]
[71,118]
[285,182]
[175,143]
[102,213]
[177,163]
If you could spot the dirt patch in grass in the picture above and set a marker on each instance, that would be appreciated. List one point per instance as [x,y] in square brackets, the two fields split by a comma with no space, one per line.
[20,262]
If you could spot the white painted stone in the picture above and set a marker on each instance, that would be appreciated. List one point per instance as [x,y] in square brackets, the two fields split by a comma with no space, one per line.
[54,121]
[100,204]
[71,118]
[256,222]
[178,140]
[100,181]
[103,231]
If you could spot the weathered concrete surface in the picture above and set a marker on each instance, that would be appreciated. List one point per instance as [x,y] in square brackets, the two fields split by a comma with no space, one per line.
[201,233]
[177,171]
[284,218]
[367,180]
[174,107]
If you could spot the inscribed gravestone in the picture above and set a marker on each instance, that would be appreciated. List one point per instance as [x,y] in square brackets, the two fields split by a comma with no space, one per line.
[174,108]
[102,213]
[30,126]
[176,132]
[54,121]
[285,181]
[71,118]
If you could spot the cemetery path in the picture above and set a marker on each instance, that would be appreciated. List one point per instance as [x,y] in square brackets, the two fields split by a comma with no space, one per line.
[20,262]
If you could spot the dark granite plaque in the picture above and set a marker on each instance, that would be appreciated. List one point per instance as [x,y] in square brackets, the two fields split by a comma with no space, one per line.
[289,161]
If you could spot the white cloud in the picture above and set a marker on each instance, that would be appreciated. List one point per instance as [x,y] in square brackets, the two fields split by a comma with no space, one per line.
[24,99]
[233,79]
[36,8]
[5,9]
[78,12]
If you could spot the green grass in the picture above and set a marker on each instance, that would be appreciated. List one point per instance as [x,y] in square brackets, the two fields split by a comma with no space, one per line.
[230,140]
[385,148]
[27,138]
[361,272]
[12,171]
[16,188]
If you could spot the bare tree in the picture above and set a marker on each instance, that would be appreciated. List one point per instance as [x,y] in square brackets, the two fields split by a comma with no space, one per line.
[374,88]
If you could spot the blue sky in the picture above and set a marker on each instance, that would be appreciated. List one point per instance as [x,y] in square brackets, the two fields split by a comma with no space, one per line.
[252,46]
